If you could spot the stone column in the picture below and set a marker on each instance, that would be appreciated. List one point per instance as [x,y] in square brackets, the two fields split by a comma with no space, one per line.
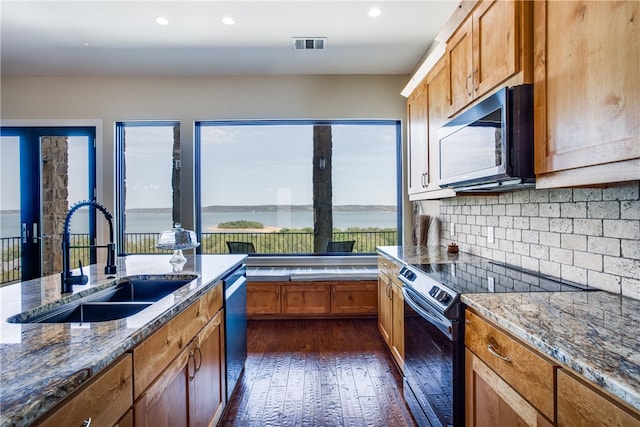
[54,155]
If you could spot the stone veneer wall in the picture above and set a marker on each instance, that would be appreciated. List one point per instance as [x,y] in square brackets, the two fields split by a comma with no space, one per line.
[585,235]
[54,200]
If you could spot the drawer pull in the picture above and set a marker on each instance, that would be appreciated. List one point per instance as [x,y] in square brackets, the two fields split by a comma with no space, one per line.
[493,351]
[87,422]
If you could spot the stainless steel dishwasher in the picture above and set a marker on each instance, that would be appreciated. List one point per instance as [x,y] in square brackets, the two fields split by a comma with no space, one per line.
[235,324]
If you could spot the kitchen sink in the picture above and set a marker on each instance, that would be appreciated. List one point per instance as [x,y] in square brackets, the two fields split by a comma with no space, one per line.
[137,290]
[123,298]
[90,312]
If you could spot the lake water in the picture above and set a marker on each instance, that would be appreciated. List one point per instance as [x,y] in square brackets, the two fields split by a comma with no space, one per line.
[145,222]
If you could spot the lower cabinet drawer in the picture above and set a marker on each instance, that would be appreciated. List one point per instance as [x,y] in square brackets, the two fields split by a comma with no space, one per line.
[101,402]
[525,371]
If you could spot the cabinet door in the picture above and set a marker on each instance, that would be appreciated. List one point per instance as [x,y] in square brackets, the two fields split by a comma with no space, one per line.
[587,87]
[460,59]
[309,299]
[524,369]
[263,298]
[417,154]
[438,103]
[491,402]
[102,402]
[354,298]
[495,44]
[384,307]
[579,404]
[397,325]
[166,401]
[208,382]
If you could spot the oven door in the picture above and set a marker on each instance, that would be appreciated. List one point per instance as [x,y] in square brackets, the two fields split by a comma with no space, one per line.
[433,364]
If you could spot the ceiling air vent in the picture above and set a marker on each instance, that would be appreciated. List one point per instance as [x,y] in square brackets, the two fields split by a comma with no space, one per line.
[309,43]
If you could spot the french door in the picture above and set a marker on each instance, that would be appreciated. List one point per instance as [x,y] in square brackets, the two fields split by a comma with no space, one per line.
[43,172]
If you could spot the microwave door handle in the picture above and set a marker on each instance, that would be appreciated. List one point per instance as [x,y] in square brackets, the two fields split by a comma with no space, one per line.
[432,318]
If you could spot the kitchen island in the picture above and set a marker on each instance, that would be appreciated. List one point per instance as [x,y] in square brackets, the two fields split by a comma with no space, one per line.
[42,364]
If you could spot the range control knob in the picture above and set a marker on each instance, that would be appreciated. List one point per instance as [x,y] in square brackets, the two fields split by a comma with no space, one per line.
[434,291]
[446,300]
[442,295]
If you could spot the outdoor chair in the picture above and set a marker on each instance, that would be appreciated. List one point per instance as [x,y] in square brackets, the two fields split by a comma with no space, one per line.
[346,246]
[241,248]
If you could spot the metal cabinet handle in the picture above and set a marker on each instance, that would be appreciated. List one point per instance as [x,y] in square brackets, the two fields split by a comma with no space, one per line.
[466,85]
[87,422]
[473,80]
[493,351]
[192,356]
[199,365]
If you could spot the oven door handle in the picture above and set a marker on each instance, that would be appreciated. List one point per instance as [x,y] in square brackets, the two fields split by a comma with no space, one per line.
[443,325]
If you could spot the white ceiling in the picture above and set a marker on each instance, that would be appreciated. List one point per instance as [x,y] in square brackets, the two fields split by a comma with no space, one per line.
[120,38]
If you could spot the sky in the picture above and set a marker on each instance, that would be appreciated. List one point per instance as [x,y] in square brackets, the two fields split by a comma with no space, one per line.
[241,165]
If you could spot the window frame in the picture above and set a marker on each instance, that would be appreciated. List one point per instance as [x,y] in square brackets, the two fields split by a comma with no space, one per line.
[292,122]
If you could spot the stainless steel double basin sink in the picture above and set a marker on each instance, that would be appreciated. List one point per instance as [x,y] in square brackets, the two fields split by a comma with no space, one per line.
[126,297]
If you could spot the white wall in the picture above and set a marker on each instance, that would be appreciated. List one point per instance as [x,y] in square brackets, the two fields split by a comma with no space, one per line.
[108,100]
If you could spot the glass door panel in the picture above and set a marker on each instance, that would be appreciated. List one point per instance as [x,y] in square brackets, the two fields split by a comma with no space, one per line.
[44,171]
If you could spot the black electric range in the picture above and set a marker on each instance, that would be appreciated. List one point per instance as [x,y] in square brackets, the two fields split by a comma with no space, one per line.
[434,329]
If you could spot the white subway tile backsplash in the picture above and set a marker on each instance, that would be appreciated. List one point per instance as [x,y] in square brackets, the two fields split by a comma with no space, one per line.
[573,210]
[589,227]
[630,210]
[573,241]
[586,235]
[624,229]
[603,210]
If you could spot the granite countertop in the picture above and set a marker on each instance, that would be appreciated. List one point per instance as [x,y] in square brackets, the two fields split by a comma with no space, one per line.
[40,364]
[426,255]
[595,334]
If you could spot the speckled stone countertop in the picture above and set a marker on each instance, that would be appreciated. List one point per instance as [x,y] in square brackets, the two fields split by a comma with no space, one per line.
[595,334]
[426,255]
[40,364]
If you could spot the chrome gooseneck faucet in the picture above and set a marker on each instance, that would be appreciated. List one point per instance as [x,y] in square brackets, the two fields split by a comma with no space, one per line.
[67,277]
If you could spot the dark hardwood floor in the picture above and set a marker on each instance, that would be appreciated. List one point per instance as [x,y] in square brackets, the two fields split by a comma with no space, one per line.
[317,373]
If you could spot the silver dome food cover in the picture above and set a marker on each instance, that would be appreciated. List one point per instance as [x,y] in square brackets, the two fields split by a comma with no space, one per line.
[177,239]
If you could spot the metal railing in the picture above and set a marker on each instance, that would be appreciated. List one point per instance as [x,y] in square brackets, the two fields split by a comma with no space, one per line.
[211,243]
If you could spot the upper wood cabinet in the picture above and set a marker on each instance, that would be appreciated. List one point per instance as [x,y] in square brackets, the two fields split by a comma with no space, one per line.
[417,152]
[492,45]
[587,92]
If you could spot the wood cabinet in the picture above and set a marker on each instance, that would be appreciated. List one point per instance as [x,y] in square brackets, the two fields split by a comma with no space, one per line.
[523,372]
[581,404]
[104,401]
[491,46]
[179,370]
[311,299]
[391,309]
[587,88]
[492,402]
[508,383]
[417,148]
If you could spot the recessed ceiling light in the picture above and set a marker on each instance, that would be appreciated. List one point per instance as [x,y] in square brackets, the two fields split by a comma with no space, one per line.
[161,20]
[374,12]
[227,20]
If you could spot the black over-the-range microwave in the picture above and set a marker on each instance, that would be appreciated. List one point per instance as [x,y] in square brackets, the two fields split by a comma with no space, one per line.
[489,147]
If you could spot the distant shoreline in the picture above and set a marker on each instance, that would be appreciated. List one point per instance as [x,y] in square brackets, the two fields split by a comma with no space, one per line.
[259,208]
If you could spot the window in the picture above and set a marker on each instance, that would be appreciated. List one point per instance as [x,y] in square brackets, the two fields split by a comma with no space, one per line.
[148,163]
[291,187]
